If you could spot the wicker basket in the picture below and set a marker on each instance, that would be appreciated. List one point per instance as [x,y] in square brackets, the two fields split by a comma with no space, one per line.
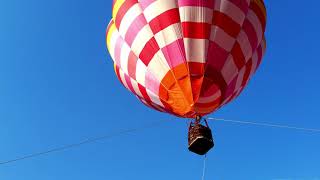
[200,138]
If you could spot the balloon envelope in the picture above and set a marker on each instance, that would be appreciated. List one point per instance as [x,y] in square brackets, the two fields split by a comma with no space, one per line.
[186,57]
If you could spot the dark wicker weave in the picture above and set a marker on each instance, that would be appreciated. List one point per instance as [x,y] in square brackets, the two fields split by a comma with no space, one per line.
[200,138]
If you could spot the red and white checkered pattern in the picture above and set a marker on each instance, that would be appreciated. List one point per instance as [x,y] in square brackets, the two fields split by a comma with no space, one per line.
[186,57]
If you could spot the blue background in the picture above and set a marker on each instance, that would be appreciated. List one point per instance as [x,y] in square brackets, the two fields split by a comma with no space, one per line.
[57,86]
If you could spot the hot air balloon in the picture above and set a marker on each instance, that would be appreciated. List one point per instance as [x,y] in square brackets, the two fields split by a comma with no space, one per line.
[187,57]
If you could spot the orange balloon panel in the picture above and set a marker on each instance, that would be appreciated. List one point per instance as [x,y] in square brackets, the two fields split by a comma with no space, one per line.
[186,57]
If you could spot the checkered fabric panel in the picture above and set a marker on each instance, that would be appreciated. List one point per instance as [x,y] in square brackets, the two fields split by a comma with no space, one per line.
[186,57]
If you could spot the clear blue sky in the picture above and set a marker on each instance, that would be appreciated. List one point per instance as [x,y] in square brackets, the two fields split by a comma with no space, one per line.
[57,86]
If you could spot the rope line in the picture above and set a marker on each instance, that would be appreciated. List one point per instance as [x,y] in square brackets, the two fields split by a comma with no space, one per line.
[266,125]
[150,125]
[204,167]
[87,141]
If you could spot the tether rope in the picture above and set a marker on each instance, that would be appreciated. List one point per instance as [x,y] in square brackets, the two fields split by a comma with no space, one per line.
[127,131]
[265,124]
[87,141]
[204,167]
